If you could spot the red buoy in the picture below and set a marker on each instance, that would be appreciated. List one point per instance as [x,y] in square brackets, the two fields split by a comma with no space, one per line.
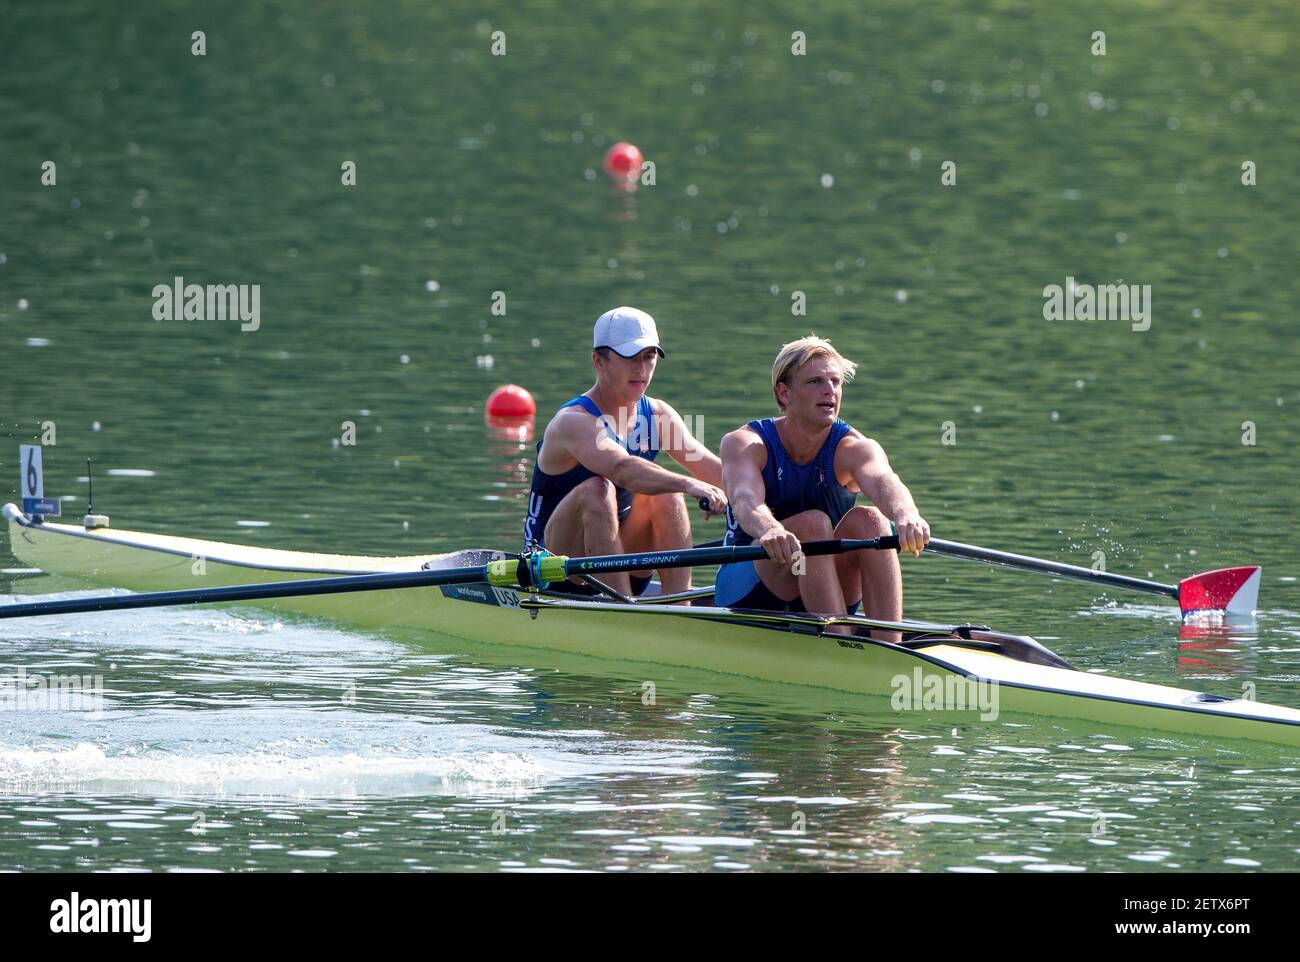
[623,162]
[511,401]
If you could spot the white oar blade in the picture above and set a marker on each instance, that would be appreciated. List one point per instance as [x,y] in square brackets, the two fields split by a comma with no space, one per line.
[1234,591]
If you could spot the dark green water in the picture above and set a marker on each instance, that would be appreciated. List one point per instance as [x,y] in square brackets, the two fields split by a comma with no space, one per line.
[775,174]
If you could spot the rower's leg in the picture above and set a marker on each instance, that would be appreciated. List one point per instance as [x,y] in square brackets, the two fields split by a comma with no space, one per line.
[873,576]
[659,522]
[819,587]
[585,522]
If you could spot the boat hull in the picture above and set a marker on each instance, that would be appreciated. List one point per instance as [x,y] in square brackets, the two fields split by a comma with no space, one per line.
[664,636]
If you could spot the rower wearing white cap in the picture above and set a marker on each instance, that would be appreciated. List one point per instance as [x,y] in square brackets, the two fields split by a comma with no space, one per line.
[595,488]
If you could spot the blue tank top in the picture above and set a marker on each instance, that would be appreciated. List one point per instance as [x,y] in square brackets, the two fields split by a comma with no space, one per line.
[792,488]
[548,490]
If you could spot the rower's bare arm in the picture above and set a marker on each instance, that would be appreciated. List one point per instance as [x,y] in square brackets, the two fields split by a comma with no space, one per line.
[585,440]
[877,479]
[743,458]
[685,448]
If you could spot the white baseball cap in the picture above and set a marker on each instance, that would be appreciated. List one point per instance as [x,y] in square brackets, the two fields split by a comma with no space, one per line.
[626,331]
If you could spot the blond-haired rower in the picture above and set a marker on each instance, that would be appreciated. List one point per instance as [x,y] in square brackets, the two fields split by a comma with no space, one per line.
[795,478]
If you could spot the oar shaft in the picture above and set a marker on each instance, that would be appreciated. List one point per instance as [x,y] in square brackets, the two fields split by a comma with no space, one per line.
[975,553]
[504,572]
[204,596]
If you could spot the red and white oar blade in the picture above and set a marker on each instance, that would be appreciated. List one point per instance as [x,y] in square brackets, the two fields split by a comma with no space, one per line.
[1231,590]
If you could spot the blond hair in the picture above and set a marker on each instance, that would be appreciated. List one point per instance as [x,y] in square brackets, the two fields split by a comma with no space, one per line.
[798,353]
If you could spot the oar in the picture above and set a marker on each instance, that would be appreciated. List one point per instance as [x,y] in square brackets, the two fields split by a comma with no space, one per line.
[1233,590]
[523,571]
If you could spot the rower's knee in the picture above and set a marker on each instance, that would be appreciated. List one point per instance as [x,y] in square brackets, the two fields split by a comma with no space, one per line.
[864,521]
[812,525]
[597,496]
